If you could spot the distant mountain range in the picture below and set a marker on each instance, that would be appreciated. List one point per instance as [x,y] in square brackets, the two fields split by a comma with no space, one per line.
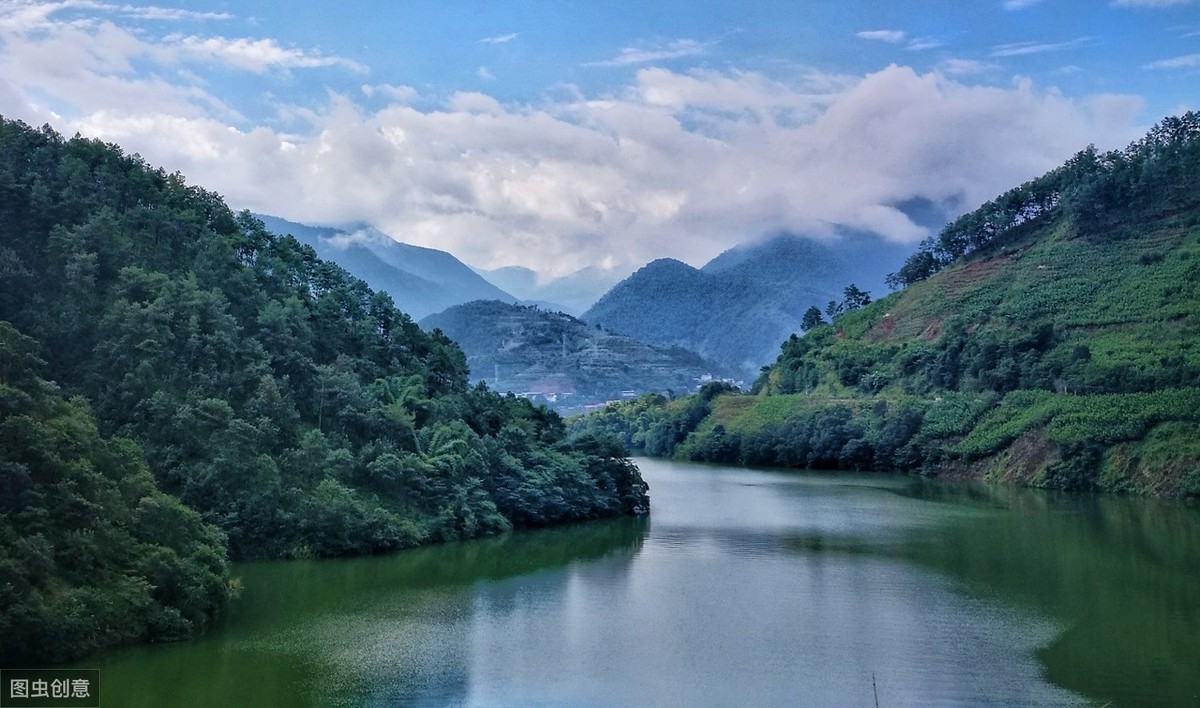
[563,360]
[421,281]
[732,313]
[571,294]
[742,304]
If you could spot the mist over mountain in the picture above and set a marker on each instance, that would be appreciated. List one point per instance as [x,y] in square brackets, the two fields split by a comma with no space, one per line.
[739,306]
[420,280]
[572,294]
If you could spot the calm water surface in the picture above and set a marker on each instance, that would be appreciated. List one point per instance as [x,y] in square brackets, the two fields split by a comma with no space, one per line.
[743,588]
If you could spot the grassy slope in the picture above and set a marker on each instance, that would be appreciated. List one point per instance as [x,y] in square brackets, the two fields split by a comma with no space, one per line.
[1129,297]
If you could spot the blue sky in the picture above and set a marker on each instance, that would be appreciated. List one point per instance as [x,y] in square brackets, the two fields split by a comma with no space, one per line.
[563,134]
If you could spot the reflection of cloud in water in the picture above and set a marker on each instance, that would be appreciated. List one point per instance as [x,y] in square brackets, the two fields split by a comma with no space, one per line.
[723,626]
[767,596]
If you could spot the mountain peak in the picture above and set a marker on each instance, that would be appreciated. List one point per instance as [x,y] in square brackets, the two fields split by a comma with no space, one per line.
[757,293]
[420,280]
[791,248]
[666,265]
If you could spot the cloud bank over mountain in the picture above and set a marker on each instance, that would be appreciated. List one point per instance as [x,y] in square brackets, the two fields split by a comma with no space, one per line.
[674,162]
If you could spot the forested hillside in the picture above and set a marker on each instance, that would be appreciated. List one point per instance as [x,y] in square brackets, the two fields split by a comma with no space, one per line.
[1052,337]
[536,350]
[91,552]
[294,409]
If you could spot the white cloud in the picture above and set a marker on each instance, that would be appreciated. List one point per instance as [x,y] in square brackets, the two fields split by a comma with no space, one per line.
[1023,48]
[165,14]
[676,49]
[73,69]
[484,73]
[1187,61]
[475,102]
[28,14]
[733,97]
[102,46]
[82,65]
[920,44]
[681,164]
[621,179]
[403,94]
[500,39]
[892,36]
[257,55]
[965,67]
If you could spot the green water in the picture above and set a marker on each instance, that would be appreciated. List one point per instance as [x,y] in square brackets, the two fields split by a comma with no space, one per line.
[743,588]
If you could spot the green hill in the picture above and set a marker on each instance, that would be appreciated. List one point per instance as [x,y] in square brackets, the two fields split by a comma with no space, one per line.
[536,350]
[1052,338]
[287,409]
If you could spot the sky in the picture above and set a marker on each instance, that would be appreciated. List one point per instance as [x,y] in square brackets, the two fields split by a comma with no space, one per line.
[559,134]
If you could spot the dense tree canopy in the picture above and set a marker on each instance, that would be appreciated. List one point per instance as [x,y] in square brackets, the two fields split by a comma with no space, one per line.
[91,552]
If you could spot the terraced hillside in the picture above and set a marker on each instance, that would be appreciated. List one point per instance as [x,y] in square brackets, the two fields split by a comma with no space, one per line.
[560,359]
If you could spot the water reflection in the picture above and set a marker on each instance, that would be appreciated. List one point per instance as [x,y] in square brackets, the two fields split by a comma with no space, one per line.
[1122,574]
[744,587]
[391,630]
[1104,590]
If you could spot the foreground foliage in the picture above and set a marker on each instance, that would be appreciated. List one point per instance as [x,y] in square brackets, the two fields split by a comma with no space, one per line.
[296,410]
[1052,337]
[91,552]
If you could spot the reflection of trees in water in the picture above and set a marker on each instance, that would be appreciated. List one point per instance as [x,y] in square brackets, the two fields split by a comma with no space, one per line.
[397,629]
[525,552]
[1121,573]
[574,549]
[440,672]
[275,592]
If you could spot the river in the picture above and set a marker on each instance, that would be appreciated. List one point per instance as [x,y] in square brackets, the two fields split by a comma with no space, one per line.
[743,587]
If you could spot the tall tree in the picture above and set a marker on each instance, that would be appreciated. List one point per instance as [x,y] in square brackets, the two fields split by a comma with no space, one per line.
[812,318]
